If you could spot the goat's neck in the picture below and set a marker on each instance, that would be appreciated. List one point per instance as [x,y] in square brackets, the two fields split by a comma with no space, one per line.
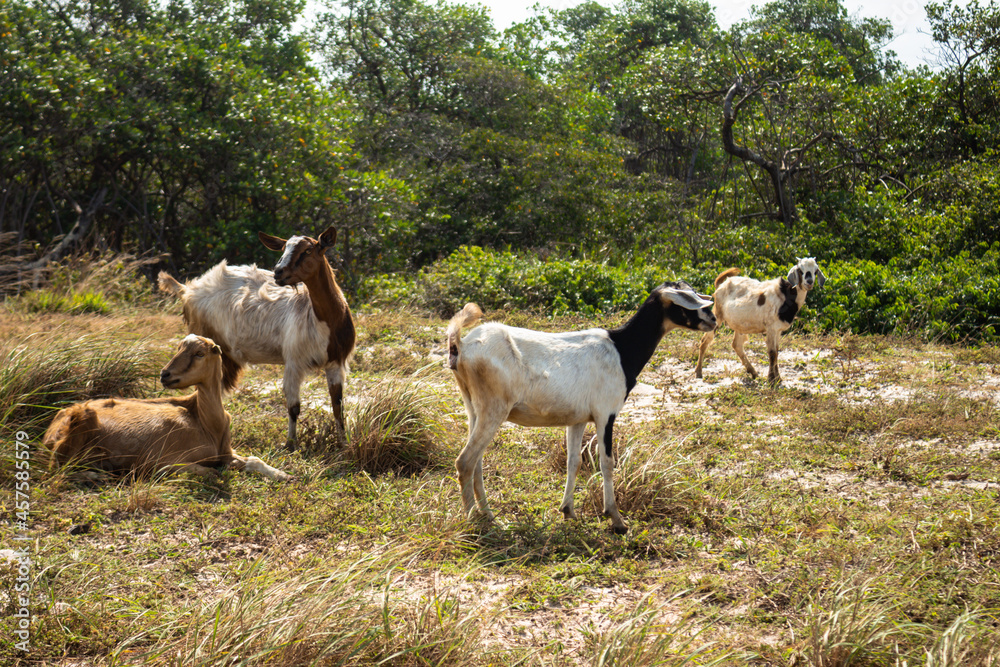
[328,301]
[211,414]
[800,298]
[636,341]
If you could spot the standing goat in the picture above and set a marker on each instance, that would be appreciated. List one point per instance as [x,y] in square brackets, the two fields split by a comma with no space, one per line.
[188,434]
[257,317]
[749,306]
[562,379]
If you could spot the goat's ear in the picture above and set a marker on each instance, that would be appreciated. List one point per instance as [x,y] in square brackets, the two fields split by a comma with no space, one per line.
[328,238]
[793,275]
[820,278]
[271,242]
[684,299]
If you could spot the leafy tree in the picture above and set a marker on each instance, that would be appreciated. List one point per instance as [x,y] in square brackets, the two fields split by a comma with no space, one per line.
[395,55]
[969,45]
[860,42]
[162,130]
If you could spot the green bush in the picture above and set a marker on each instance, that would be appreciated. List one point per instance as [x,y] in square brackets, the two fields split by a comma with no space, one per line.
[956,299]
[502,279]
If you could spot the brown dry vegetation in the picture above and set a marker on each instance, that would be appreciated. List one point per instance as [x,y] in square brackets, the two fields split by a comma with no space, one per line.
[849,517]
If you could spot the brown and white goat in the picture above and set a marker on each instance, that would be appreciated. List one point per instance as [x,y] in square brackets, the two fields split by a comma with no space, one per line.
[749,306]
[568,379]
[258,317]
[185,434]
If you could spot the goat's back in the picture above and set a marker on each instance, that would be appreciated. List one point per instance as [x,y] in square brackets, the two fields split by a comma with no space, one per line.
[132,434]
[254,319]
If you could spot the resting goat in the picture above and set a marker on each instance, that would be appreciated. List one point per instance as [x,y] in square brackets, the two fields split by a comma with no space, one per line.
[188,434]
[749,306]
[562,379]
[257,317]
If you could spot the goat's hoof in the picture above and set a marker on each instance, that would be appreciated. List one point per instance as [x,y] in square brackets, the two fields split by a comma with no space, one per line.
[619,530]
[568,513]
[290,445]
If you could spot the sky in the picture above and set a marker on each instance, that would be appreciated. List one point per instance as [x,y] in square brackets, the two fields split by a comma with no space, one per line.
[912,44]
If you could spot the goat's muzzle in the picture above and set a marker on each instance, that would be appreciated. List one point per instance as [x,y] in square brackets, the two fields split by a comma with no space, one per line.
[166,380]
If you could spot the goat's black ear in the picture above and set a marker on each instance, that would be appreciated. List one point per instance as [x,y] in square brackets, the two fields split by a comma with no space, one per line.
[329,237]
[820,278]
[271,242]
[216,349]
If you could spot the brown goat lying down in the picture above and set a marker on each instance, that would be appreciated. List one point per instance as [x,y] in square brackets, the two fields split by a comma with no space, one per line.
[186,433]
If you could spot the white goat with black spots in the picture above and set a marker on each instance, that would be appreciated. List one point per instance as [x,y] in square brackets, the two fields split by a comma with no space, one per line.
[748,306]
[568,379]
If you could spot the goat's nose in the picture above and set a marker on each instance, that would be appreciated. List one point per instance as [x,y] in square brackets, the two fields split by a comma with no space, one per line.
[164,376]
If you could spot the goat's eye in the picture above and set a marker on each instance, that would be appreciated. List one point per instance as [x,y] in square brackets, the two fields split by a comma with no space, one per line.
[199,354]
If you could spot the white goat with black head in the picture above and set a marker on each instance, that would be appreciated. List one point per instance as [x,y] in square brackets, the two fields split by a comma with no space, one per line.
[748,306]
[568,379]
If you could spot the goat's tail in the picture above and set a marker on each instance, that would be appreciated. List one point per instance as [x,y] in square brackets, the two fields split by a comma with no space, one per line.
[466,317]
[169,284]
[722,277]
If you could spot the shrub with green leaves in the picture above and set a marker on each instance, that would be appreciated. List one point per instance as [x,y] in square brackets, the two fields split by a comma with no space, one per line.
[954,299]
[502,279]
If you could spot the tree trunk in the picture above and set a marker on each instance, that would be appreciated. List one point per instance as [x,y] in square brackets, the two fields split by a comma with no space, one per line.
[786,206]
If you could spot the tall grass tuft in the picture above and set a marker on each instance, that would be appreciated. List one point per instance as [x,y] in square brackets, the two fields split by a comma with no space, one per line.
[849,626]
[653,484]
[394,428]
[651,637]
[968,642]
[44,373]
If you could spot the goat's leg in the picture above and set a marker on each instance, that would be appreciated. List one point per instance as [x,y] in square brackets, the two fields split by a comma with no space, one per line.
[477,480]
[254,464]
[773,375]
[607,475]
[291,384]
[706,340]
[574,442]
[193,468]
[480,489]
[335,383]
[470,460]
[738,340]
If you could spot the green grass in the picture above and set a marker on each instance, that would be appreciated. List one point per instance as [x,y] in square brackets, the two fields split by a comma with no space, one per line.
[848,517]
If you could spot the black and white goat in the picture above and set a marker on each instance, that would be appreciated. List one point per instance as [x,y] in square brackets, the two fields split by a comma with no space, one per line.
[258,317]
[568,379]
[748,306]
